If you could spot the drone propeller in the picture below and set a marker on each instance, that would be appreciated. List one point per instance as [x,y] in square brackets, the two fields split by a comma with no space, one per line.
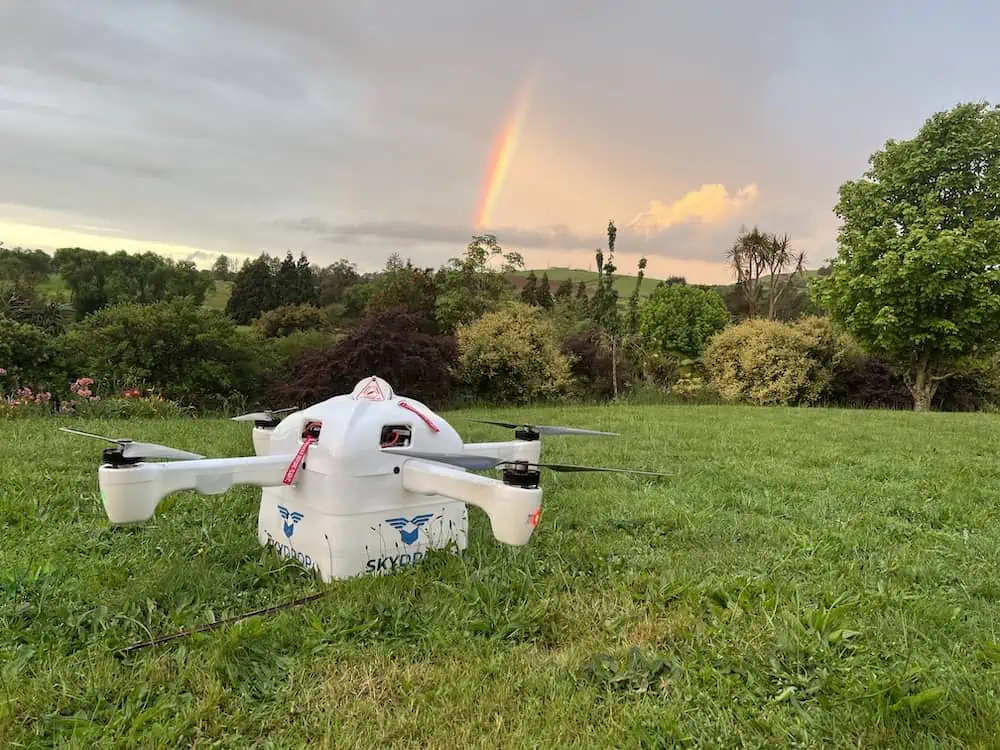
[267,415]
[132,449]
[473,463]
[543,429]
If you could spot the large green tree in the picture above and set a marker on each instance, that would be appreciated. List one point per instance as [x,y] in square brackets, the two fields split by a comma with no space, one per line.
[254,290]
[917,275]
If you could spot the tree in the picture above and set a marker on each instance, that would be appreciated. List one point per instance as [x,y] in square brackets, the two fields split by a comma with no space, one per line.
[23,270]
[604,303]
[469,287]
[335,280]
[565,289]
[633,302]
[306,289]
[917,274]
[545,292]
[403,286]
[755,254]
[287,282]
[222,269]
[97,279]
[254,290]
[681,319]
[529,292]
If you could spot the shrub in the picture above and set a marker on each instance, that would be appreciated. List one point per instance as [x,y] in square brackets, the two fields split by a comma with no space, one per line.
[29,358]
[185,352]
[866,381]
[681,319]
[512,355]
[289,319]
[767,362]
[869,381]
[132,404]
[974,386]
[25,305]
[590,357]
[396,345]
[285,350]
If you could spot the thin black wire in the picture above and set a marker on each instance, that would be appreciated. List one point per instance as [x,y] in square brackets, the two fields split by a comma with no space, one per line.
[215,625]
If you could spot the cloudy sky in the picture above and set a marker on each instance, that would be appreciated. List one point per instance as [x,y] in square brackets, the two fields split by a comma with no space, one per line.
[356,128]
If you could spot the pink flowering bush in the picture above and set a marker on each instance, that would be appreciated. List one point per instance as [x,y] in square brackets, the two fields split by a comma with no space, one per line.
[121,403]
[23,399]
[83,399]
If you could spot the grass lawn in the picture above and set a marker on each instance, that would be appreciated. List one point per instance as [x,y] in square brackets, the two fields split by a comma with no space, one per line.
[809,578]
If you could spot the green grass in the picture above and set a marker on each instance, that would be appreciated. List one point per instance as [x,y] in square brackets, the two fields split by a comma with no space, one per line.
[53,286]
[809,578]
[218,295]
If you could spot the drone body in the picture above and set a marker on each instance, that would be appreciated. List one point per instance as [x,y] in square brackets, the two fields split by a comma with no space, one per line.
[332,498]
[362,483]
[356,509]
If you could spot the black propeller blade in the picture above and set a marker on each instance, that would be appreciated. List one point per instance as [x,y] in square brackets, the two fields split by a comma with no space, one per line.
[474,462]
[544,429]
[132,449]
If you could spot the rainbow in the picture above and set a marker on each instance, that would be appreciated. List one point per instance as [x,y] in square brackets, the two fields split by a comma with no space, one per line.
[501,156]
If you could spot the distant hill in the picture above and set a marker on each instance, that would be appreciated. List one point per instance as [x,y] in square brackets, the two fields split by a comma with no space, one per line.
[216,298]
[623,284]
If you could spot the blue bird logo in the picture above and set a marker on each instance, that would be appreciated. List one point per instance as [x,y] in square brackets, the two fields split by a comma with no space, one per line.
[400,524]
[290,520]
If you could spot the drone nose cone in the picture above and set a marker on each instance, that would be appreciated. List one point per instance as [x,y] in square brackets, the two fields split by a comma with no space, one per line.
[372,389]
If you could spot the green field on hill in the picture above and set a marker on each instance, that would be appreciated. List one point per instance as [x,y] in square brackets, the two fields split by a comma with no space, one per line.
[624,285]
[218,296]
[807,578]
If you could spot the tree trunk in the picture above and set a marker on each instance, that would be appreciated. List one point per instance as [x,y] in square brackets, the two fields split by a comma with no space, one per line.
[924,386]
[614,365]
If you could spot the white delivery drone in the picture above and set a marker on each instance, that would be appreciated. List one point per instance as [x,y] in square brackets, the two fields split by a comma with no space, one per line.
[364,482]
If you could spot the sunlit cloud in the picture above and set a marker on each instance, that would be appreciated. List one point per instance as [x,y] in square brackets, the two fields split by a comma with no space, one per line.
[706,205]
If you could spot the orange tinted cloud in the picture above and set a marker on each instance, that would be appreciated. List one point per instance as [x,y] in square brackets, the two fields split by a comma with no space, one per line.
[707,204]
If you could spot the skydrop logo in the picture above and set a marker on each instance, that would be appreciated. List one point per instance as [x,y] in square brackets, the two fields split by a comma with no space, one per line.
[400,524]
[290,520]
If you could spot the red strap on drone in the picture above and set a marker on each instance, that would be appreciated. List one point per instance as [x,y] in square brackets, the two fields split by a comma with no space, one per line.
[293,467]
[426,419]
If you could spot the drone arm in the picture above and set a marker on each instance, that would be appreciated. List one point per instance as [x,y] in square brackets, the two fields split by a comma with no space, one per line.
[510,450]
[513,511]
[132,493]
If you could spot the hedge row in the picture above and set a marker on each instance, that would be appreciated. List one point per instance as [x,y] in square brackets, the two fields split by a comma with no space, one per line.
[194,357]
